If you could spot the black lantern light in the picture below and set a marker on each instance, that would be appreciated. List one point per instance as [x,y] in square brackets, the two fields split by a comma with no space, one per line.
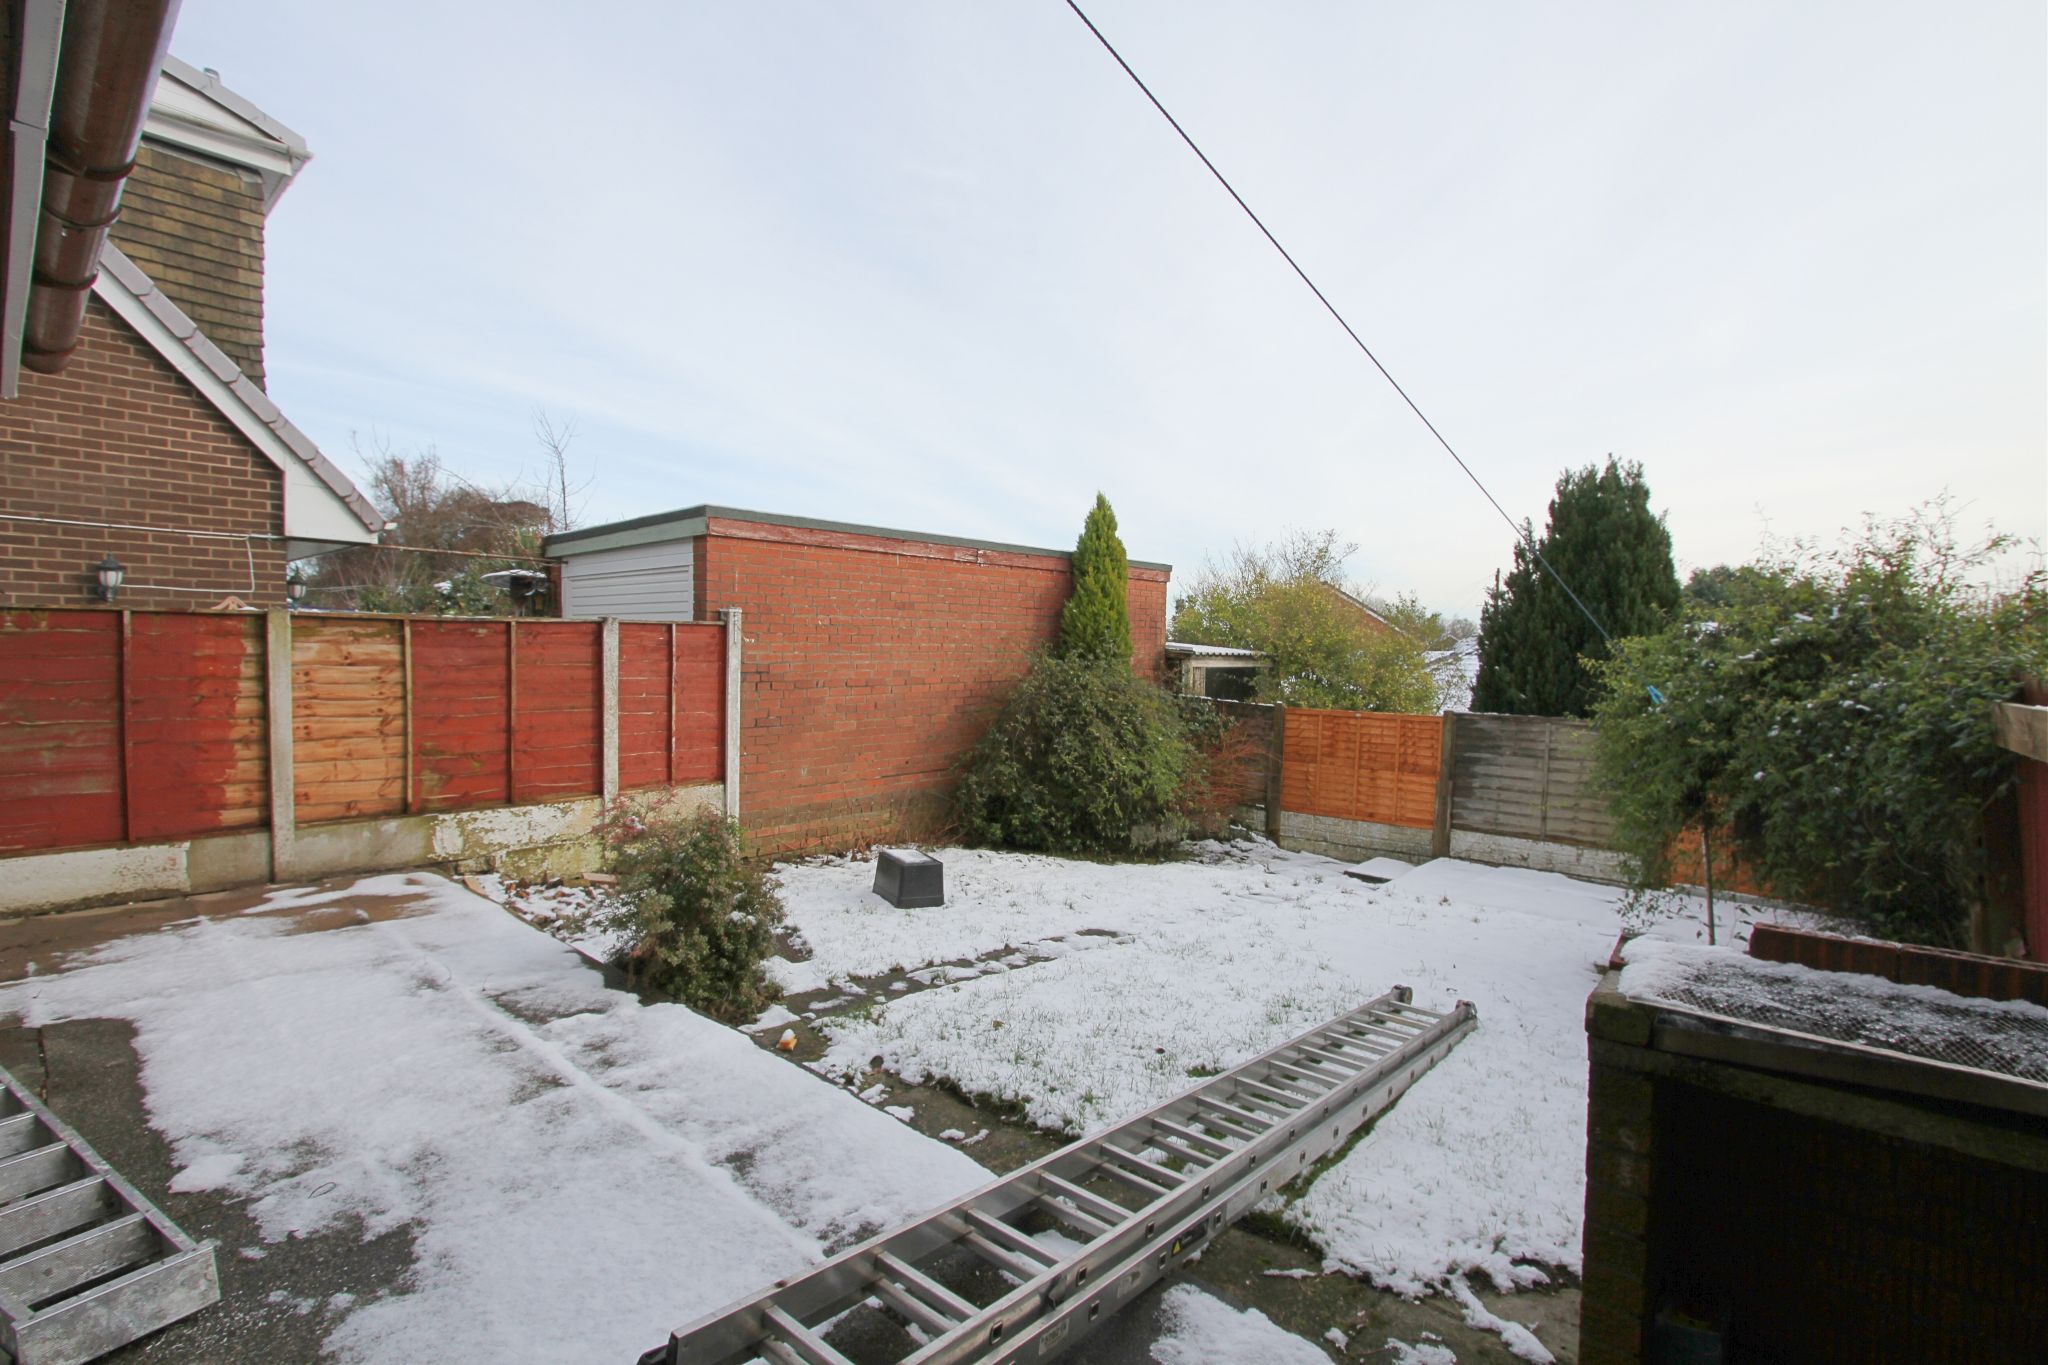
[109,571]
[294,587]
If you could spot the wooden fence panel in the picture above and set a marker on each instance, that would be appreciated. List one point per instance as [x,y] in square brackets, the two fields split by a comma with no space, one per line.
[558,710]
[1529,777]
[197,744]
[700,703]
[1361,765]
[60,729]
[461,675]
[646,714]
[140,725]
[348,718]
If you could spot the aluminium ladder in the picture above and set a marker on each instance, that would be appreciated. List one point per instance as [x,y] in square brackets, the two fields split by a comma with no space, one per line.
[1027,1265]
[86,1263]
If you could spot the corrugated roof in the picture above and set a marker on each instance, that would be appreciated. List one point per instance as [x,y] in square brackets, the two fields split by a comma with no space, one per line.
[1195,651]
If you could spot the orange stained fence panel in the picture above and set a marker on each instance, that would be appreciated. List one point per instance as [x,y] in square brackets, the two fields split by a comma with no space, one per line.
[1362,765]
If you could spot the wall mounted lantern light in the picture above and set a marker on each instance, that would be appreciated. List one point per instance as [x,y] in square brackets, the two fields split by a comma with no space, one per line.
[109,572]
[294,588]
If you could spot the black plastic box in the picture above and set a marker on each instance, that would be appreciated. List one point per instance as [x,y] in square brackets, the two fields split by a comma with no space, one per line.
[909,880]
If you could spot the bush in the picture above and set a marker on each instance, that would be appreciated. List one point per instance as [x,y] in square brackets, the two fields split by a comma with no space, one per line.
[699,918]
[1831,716]
[1084,756]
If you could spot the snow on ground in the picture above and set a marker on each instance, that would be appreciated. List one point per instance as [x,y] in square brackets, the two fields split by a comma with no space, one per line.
[1203,1330]
[580,1172]
[1212,960]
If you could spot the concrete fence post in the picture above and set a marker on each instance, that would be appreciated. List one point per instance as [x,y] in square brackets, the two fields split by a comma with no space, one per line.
[277,665]
[1446,788]
[608,691]
[735,639]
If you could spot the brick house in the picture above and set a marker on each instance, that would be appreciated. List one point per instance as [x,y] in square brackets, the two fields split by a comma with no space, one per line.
[151,439]
[873,659]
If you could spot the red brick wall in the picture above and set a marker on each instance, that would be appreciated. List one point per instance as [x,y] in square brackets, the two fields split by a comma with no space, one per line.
[871,665]
[121,437]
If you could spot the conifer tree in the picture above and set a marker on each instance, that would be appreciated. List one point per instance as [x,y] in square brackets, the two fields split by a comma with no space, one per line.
[1615,552]
[1096,622]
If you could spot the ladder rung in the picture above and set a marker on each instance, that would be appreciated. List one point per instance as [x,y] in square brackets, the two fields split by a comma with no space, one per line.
[1389,1021]
[1321,1079]
[925,1287]
[1164,1176]
[1270,1114]
[1002,1258]
[1330,1058]
[912,1307]
[43,1216]
[1150,1189]
[1287,1104]
[37,1170]
[807,1347]
[63,1266]
[19,1133]
[1002,1234]
[1088,1203]
[1233,1117]
[1191,1138]
[1073,1217]
[1379,1033]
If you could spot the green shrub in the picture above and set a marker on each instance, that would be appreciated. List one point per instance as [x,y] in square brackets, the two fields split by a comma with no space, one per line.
[1084,756]
[1831,715]
[698,917]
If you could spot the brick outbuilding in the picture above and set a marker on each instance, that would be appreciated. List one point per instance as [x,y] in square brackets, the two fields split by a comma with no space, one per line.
[873,658]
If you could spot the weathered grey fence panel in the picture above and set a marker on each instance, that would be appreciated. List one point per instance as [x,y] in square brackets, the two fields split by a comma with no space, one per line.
[1528,777]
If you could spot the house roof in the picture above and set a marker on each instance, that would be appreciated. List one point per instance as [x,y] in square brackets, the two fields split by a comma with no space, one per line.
[688,522]
[1360,604]
[322,507]
[193,111]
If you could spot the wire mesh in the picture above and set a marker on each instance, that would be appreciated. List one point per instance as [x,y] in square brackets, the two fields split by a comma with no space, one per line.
[2006,1038]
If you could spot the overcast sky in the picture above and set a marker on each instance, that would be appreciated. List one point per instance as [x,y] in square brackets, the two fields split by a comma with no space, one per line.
[939,266]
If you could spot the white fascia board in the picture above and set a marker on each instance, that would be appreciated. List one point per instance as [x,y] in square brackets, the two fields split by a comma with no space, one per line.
[320,504]
[193,111]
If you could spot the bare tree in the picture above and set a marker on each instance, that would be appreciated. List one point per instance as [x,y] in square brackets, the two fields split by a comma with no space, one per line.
[563,494]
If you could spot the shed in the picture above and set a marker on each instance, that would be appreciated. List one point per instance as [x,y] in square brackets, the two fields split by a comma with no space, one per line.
[1221,671]
[872,658]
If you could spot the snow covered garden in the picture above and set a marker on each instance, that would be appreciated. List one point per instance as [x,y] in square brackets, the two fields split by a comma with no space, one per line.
[1080,992]
[577,1171]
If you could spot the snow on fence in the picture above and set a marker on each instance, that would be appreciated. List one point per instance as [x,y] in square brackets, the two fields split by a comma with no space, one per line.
[124,726]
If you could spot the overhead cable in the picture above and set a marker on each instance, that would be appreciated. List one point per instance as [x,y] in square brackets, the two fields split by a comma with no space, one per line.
[1522,532]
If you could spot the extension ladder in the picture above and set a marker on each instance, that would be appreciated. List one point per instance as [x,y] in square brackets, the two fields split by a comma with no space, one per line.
[86,1263]
[1027,1265]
